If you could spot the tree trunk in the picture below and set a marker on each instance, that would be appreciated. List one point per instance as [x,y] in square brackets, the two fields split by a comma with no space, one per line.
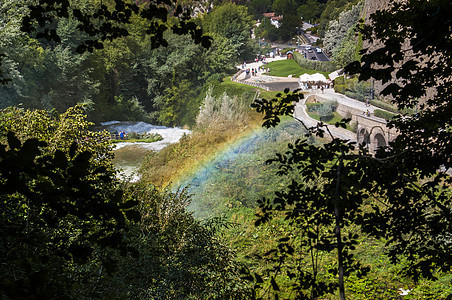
[340,261]
[338,219]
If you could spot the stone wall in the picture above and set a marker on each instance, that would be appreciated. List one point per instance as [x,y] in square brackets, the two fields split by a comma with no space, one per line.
[344,110]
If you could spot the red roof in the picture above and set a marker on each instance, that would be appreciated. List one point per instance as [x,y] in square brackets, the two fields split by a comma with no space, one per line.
[269,15]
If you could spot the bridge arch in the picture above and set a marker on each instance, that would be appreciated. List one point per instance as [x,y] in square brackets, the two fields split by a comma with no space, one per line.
[377,138]
[363,136]
[379,141]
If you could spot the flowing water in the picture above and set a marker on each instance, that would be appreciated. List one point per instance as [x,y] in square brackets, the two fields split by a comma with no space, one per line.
[128,156]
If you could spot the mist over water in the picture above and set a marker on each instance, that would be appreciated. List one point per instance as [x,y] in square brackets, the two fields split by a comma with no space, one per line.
[128,156]
[238,176]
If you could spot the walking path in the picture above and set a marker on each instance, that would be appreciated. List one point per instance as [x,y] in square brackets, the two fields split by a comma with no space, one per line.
[301,114]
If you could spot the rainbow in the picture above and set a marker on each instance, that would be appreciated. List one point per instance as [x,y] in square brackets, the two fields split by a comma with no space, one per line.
[216,184]
[227,153]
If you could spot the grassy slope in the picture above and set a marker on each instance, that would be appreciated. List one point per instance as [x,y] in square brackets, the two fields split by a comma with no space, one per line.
[284,68]
[177,160]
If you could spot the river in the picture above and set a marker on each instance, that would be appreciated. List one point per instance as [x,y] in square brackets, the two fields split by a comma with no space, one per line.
[128,156]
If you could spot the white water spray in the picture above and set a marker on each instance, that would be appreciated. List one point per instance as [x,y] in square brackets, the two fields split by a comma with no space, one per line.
[131,154]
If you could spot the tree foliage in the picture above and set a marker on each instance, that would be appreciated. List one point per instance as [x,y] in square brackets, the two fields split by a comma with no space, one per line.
[402,192]
[106,21]
[232,22]
[347,51]
[333,9]
[56,212]
[70,229]
[129,71]
[47,72]
[311,10]
[413,60]
[338,29]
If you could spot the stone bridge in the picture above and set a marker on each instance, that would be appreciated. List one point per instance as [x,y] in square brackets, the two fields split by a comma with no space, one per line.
[374,132]
[370,129]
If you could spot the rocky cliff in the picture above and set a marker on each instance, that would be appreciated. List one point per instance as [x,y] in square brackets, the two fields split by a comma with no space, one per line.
[371,6]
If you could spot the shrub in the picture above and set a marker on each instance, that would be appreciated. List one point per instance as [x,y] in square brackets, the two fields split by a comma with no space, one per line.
[325,110]
[339,88]
[384,105]
[340,80]
[313,107]
[384,114]
[221,110]
[326,118]
[354,126]
[323,66]
[351,94]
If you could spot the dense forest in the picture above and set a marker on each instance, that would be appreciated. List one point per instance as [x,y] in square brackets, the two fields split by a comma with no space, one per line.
[128,79]
[284,213]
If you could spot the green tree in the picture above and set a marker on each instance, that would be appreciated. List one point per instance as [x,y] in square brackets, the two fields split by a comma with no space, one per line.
[43,75]
[173,69]
[50,66]
[283,7]
[258,7]
[333,9]
[70,229]
[59,130]
[422,189]
[221,56]
[106,21]
[338,30]
[402,192]
[230,21]
[311,10]
[346,52]
[267,30]
[59,212]
[173,103]
[288,27]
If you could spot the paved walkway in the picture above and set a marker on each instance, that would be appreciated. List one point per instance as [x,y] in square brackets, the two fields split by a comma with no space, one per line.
[260,63]
[330,94]
[301,114]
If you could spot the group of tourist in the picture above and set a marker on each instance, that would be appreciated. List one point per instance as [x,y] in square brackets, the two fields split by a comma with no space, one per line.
[255,71]
[121,134]
[316,86]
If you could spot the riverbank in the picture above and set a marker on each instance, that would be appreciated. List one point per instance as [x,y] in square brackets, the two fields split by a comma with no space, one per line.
[129,154]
